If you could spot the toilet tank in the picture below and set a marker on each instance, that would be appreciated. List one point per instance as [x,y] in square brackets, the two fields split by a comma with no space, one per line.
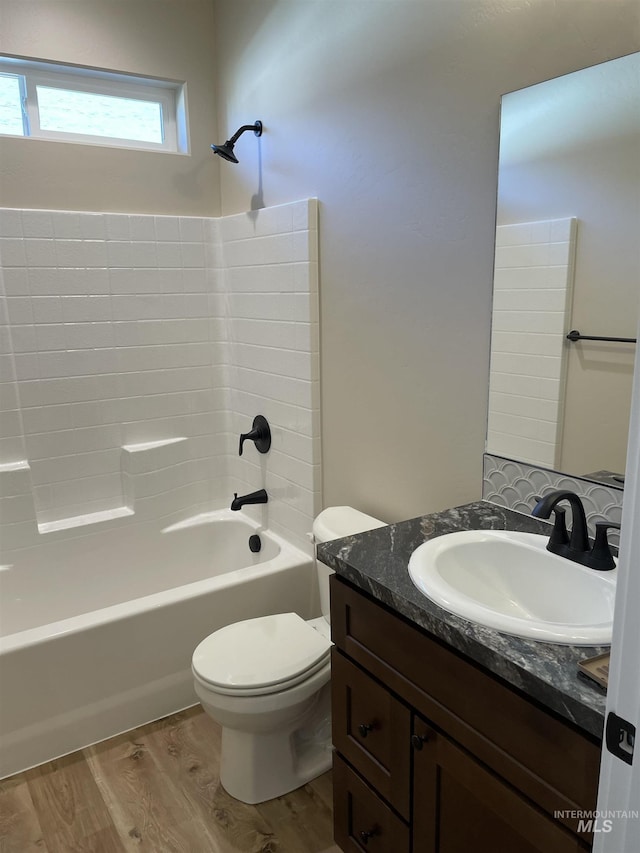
[334,522]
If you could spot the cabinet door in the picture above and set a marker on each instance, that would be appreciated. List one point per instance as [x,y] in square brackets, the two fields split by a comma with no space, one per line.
[372,730]
[460,806]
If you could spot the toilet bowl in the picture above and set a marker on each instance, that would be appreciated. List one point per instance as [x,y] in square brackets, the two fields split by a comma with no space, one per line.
[266,682]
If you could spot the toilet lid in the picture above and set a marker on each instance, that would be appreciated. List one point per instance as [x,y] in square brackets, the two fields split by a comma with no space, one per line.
[259,653]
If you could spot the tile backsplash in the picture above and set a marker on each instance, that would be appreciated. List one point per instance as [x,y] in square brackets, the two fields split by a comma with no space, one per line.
[514,484]
[134,350]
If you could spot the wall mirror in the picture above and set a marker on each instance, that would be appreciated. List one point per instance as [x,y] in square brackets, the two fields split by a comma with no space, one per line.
[567,257]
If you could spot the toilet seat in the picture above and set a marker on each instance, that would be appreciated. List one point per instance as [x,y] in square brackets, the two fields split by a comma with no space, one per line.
[260,656]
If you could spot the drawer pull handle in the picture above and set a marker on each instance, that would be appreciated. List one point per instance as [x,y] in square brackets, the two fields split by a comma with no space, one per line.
[364,729]
[418,741]
[365,836]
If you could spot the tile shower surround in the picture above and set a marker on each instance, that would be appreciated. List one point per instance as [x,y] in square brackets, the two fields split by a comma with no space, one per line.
[135,348]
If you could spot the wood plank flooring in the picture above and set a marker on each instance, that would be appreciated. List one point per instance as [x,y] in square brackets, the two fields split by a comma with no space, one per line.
[156,790]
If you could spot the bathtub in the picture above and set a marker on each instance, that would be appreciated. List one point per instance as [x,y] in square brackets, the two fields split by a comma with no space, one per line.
[98,630]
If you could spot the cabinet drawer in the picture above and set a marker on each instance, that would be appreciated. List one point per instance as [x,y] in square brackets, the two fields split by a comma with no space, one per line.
[549,760]
[372,729]
[361,820]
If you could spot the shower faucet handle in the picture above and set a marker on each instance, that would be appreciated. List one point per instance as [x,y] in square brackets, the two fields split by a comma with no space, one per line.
[260,434]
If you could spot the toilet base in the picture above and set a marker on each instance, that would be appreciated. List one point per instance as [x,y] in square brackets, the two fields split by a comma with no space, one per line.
[258,767]
[265,781]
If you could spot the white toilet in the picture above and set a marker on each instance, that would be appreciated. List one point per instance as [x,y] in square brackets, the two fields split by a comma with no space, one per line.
[266,681]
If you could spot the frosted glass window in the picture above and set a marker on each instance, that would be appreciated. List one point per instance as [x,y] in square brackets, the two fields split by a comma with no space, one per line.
[11,120]
[99,115]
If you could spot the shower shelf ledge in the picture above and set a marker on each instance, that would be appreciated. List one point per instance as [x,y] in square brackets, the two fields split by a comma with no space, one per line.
[84,520]
[143,446]
[20,465]
[148,456]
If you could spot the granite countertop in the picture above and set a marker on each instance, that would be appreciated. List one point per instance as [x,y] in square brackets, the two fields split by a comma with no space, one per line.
[376,562]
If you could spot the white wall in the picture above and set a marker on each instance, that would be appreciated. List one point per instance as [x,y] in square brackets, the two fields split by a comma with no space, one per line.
[388,113]
[157,38]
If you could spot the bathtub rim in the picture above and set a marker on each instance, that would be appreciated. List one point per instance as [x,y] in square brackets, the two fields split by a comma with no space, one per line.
[289,556]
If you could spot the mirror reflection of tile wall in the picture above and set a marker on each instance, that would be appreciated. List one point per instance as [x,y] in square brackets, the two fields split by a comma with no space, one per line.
[514,485]
[531,311]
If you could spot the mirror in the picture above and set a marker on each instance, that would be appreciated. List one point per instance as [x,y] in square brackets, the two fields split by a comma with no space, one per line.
[567,257]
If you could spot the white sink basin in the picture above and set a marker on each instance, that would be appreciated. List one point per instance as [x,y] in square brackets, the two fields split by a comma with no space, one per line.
[509,581]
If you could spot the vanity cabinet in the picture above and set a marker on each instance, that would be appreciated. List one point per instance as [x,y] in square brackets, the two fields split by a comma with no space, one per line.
[436,755]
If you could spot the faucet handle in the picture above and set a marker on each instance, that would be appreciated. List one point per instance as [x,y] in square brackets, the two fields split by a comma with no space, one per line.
[601,557]
[559,534]
[260,434]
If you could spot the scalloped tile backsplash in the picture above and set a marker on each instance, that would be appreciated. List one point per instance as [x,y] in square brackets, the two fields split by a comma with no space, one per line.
[513,484]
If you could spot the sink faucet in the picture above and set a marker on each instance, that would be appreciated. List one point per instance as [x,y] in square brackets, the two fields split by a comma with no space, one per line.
[575,547]
[579,541]
[259,497]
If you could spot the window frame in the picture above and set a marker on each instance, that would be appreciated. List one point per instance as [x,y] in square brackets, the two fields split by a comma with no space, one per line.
[169,94]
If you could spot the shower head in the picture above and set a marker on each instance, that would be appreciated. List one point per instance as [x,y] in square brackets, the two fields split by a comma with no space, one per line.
[226,151]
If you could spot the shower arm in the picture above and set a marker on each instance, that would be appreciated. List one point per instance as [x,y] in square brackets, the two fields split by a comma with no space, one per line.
[256,128]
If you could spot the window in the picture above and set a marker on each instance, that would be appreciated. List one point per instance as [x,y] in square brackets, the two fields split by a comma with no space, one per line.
[73,104]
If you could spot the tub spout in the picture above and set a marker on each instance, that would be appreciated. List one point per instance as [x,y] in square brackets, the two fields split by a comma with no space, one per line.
[259,497]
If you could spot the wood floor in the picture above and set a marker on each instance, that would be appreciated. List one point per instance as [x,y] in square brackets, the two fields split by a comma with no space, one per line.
[156,789]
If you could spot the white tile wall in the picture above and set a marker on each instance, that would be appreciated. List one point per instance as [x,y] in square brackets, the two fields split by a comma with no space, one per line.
[111,342]
[274,359]
[124,330]
[12,448]
[531,316]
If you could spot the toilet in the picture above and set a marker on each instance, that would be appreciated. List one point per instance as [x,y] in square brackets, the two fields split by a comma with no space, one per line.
[266,682]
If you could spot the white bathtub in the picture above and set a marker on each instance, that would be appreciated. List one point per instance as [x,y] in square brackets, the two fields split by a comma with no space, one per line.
[98,639]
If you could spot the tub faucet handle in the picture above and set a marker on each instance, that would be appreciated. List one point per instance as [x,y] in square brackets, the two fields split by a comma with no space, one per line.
[260,434]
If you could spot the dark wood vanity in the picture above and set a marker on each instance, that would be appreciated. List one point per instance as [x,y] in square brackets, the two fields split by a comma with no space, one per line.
[435,754]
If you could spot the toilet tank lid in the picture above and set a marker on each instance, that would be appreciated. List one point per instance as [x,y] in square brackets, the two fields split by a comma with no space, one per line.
[334,522]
